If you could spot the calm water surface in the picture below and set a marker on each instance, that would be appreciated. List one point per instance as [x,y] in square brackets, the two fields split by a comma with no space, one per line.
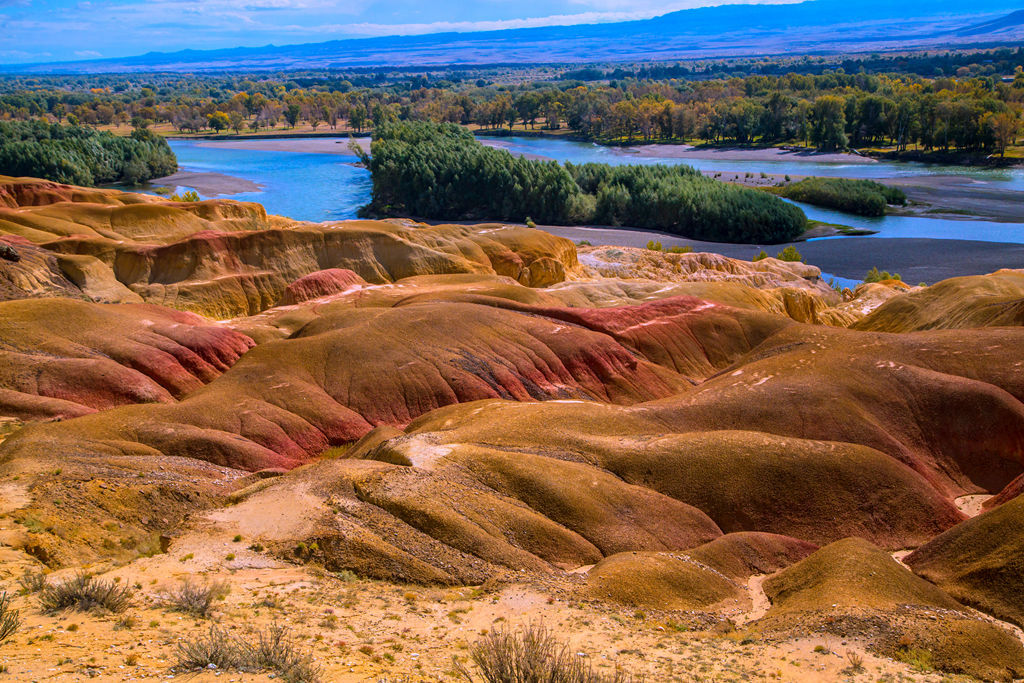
[319,187]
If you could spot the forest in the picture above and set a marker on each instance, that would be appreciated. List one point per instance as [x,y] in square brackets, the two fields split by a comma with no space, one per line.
[973,105]
[439,171]
[80,155]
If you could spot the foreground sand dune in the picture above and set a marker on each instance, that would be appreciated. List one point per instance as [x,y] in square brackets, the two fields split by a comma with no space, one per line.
[718,443]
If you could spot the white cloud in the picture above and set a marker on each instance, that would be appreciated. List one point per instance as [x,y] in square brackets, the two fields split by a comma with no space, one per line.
[87,54]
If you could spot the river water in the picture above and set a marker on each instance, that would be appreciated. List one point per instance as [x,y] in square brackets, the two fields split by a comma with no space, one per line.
[319,187]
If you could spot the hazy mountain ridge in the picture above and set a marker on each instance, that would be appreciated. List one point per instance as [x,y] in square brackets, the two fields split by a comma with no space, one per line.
[727,30]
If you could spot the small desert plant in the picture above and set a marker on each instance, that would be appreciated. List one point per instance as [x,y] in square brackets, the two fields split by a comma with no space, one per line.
[761,256]
[84,593]
[529,656]
[271,650]
[530,223]
[275,650]
[194,598]
[32,582]
[10,619]
[856,662]
[216,648]
[654,246]
[680,250]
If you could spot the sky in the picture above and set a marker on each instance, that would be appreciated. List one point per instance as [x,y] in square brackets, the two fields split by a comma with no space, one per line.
[68,30]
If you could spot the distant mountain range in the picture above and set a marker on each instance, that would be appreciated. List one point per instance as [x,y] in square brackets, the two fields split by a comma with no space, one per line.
[817,26]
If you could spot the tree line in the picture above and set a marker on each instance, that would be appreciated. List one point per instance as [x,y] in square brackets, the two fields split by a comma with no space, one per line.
[80,155]
[440,171]
[833,110]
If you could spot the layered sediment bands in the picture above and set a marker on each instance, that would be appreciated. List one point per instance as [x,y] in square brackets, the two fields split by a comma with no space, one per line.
[350,369]
[28,271]
[846,586]
[743,481]
[951,413]
[61,358]
[963,302]
[980,562]
[26,192]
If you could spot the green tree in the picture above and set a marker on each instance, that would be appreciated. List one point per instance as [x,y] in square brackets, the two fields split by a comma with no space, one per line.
[218,121]
[828,123]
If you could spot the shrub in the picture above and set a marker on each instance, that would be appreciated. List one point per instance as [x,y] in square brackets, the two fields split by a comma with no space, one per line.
[216,648]
[761,256]
[790,254]
[10,619]
[856,662]
[654,246]
[875,275]
[32,582]
[196,599]
[532,655]
[861,197]
[680,250]
[84,593]
[187,196]
[270,650]
[275,650]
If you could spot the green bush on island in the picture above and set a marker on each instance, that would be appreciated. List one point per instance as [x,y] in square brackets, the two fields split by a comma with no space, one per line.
[440,171]
[875,275]
[79,155]
[861,197]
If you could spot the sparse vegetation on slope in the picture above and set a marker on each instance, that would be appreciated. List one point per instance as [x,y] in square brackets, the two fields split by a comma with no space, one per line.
[440,171]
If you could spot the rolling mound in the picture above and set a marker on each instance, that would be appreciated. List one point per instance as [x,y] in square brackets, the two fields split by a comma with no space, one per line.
[460,405]
[62,358]
[664,581]
[853,587]
[743,554]
[963,302]
[980,562]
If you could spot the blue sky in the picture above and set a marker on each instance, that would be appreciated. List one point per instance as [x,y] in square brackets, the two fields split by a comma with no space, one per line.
[60,30]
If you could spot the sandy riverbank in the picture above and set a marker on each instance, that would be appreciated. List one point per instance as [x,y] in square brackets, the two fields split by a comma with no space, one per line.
[741,154]
[207,184]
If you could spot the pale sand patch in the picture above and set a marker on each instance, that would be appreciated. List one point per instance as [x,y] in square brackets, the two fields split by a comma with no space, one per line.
[207,184]
[971,505]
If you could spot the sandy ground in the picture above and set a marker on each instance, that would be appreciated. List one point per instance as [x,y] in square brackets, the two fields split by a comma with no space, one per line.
[207,184]
[360,630]
[960,197]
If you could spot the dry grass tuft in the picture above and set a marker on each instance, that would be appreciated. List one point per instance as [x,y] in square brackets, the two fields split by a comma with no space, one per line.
[84,593]
[532,655]
[10,619]
[32,582]
[272,650]
[194,598]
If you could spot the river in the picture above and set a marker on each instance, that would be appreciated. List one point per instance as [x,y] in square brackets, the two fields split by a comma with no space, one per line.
[330,186]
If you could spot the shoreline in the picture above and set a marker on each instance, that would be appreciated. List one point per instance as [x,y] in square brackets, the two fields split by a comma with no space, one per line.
[207,183]
[916,259]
